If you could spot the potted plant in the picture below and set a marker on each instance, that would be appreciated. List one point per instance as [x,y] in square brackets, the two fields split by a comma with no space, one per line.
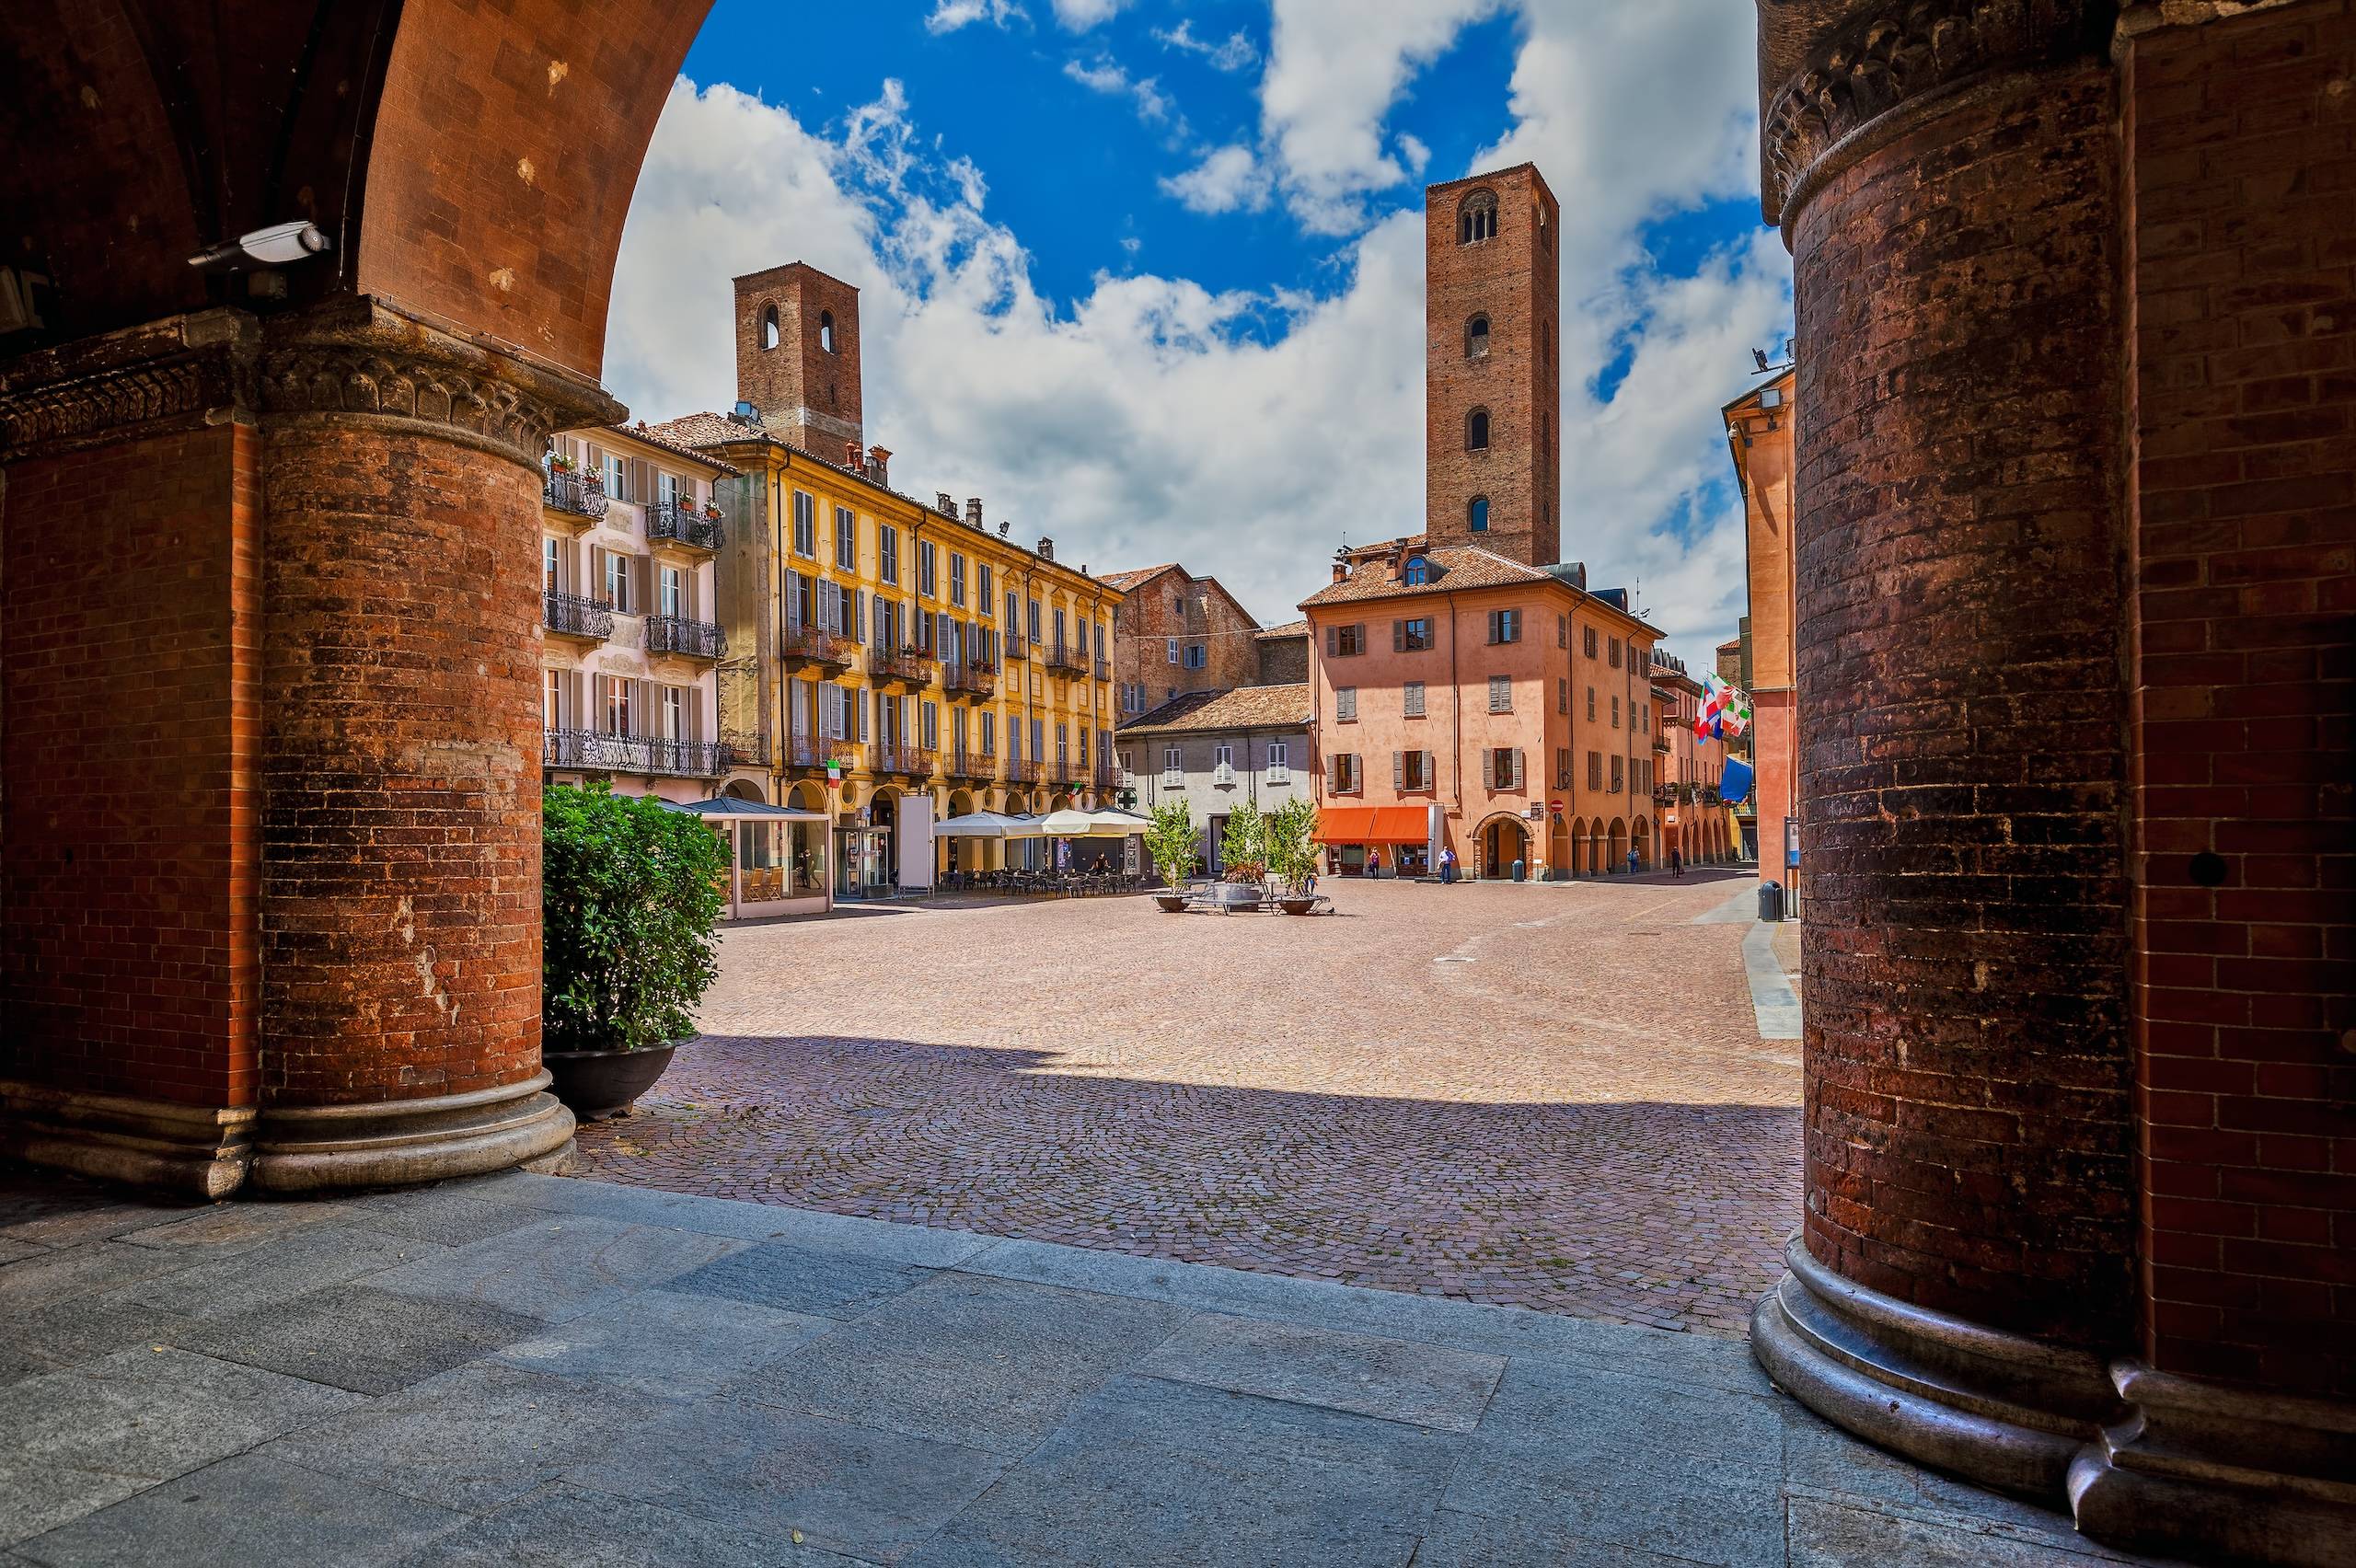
[561,464]
[630,895]
[1291,834]
[1169,840]
[1244,849]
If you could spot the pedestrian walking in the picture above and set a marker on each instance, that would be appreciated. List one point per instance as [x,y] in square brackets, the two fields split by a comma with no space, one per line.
[1632,860]
[1374,864]
[1677,862]
[1447,867]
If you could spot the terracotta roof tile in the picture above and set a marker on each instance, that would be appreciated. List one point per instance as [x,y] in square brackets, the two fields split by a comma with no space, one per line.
[658,435]
[1245,708]
[1454,566]
[1291,629]
[1124,581]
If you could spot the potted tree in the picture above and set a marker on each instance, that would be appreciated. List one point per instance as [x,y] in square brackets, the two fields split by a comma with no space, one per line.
[629,895]
[1245,851]
[1292,853]
[1170,839]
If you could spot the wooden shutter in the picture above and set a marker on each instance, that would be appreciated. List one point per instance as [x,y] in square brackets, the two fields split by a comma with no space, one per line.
[1398,771]
[641,483]
[1357,635]
[1520,773]
[1398,636]
[1488,768]
[1333,762]
[1331,634]
[1431,776]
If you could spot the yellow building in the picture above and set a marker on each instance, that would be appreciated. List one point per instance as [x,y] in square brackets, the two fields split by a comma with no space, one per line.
[891,664]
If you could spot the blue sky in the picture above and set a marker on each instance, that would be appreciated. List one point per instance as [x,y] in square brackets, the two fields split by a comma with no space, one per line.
[1146,274]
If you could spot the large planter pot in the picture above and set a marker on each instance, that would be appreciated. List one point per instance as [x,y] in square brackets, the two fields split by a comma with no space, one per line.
[598,1084]
[1171,903]
[1295,906]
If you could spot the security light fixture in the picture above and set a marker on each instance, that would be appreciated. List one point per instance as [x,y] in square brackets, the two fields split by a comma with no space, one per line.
[276,245]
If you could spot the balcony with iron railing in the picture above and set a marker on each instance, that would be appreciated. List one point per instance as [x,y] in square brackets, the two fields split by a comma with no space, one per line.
[687,638]
[651,755]
[1065,660]
[914,665]
[1107,776]
[571,615]
[682,522]
[1104,669]
[809,645]
[974,680]
[914,761]
[1023,770]
[1017,646]
[578,498]
[966,764]
[1660,743]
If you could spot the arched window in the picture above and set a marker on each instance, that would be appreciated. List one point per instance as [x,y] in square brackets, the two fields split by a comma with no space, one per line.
[1476,515]
[1418,573]
[1476,431]
[827,330]
[768,327]
[1476,338]
[1477,218]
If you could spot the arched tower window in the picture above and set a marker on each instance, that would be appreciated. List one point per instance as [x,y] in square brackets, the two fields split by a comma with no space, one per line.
[827,330]
[1477,218]
[768,327]
[1476,431]
[1418,573]
[1476,515]
[1476,338]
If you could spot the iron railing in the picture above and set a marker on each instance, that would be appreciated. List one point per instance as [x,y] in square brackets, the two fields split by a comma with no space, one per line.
[650,755]
[575,493]
[1067,660]
[818,647]
[1022,770]
[1104,669]
[570,615]
[677,634]
[1107,775]
[978,680]
[905,665]
[914,760]
[972,765]
[682,522]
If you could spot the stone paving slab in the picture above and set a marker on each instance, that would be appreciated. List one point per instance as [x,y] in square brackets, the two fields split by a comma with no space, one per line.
[1021,1403]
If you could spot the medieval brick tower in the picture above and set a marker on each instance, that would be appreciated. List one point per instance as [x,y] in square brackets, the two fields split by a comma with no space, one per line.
[797,356]
[1491,391]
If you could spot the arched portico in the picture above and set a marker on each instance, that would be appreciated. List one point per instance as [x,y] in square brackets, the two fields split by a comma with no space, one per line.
[1503,839]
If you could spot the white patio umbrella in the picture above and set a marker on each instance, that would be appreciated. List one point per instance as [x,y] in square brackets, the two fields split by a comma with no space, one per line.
[988,824]
[1067,823]
[1114,823]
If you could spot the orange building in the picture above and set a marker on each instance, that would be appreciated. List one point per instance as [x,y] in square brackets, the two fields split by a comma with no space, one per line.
[1759,433]
[1466,701]
[1692,821]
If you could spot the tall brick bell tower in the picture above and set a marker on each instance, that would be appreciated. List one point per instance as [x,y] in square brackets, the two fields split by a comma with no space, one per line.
[1491,391]
[797,356]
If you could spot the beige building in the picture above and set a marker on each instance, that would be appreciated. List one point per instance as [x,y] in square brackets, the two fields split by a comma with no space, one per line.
[628,531]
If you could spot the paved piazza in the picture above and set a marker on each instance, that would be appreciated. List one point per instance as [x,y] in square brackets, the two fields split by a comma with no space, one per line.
[1553,1096]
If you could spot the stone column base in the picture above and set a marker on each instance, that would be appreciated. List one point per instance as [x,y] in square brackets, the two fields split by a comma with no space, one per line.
[311,1148]
[2141,1459]
[190,1151]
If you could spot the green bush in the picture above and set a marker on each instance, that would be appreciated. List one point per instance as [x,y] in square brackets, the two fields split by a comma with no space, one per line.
[1170,839]
[1246,847]
[629,893]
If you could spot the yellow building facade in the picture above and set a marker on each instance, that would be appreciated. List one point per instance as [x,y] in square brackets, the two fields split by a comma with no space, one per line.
[893,664]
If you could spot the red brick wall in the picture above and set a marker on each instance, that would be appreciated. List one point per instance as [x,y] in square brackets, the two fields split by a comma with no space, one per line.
[1152,615]
[400,835]
[1513,280]
[799,372]
[2241,141]
[1960,615]
[127,653]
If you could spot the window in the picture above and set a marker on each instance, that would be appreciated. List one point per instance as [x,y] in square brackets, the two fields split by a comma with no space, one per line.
[1504,626]
[925,551]
[1034,620]
[1343,776]
[1561,695]
[617,583]
[1170,760]
[617,704]
[674,596]
[1279,761]
[666,488]
[1562,631]
[1063,742]
[1562,768]
[1226,754]
[1590,705]
[768,327]
[827,330]
[1476,338]
[1476,431]
[1477,218]
[553,702]
[1411,771]
[1595,770]
[548,565]
[1345,642]
[1590,648]
[1345,704]
[1411,699]
[1411,636]
[617,478]
[1198,656]
[982,583]
[1476,515]
[1418,573]
[845,538]
[957,578]
[1173,649]
[805,524]
[1500,694]
[887,552]
[1618,775]
[1501,767]
[1060,643]
[1614,660]
[1615,712]
[990,732]
[675,713]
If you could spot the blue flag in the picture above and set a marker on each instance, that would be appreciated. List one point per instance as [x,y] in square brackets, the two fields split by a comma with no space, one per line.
[1734,784]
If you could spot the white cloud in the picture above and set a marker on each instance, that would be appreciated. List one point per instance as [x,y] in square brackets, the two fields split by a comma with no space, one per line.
[1235,54]
[948,15]
[1248,433]
[1105,75]
[1079,16]
[1229,179]
[1416,155]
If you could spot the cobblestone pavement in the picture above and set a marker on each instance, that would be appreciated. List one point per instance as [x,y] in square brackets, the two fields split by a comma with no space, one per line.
[1542,1096]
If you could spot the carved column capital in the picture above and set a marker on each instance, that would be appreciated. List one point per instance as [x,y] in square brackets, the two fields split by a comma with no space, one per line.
[365,361]
[181,372]
[1869,71]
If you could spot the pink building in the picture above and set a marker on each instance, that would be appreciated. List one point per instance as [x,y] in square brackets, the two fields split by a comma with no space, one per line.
[1507,696]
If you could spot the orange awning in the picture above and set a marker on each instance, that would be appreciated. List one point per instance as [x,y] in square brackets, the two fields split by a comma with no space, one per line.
[1373,825]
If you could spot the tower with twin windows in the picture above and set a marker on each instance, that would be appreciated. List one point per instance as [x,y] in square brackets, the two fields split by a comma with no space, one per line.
[1492,388]
[797,356]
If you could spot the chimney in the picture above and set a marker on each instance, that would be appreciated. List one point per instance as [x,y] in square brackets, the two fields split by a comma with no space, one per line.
[1046,548]
[945,503]
[1341,571]
[879,465]
[972,512]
